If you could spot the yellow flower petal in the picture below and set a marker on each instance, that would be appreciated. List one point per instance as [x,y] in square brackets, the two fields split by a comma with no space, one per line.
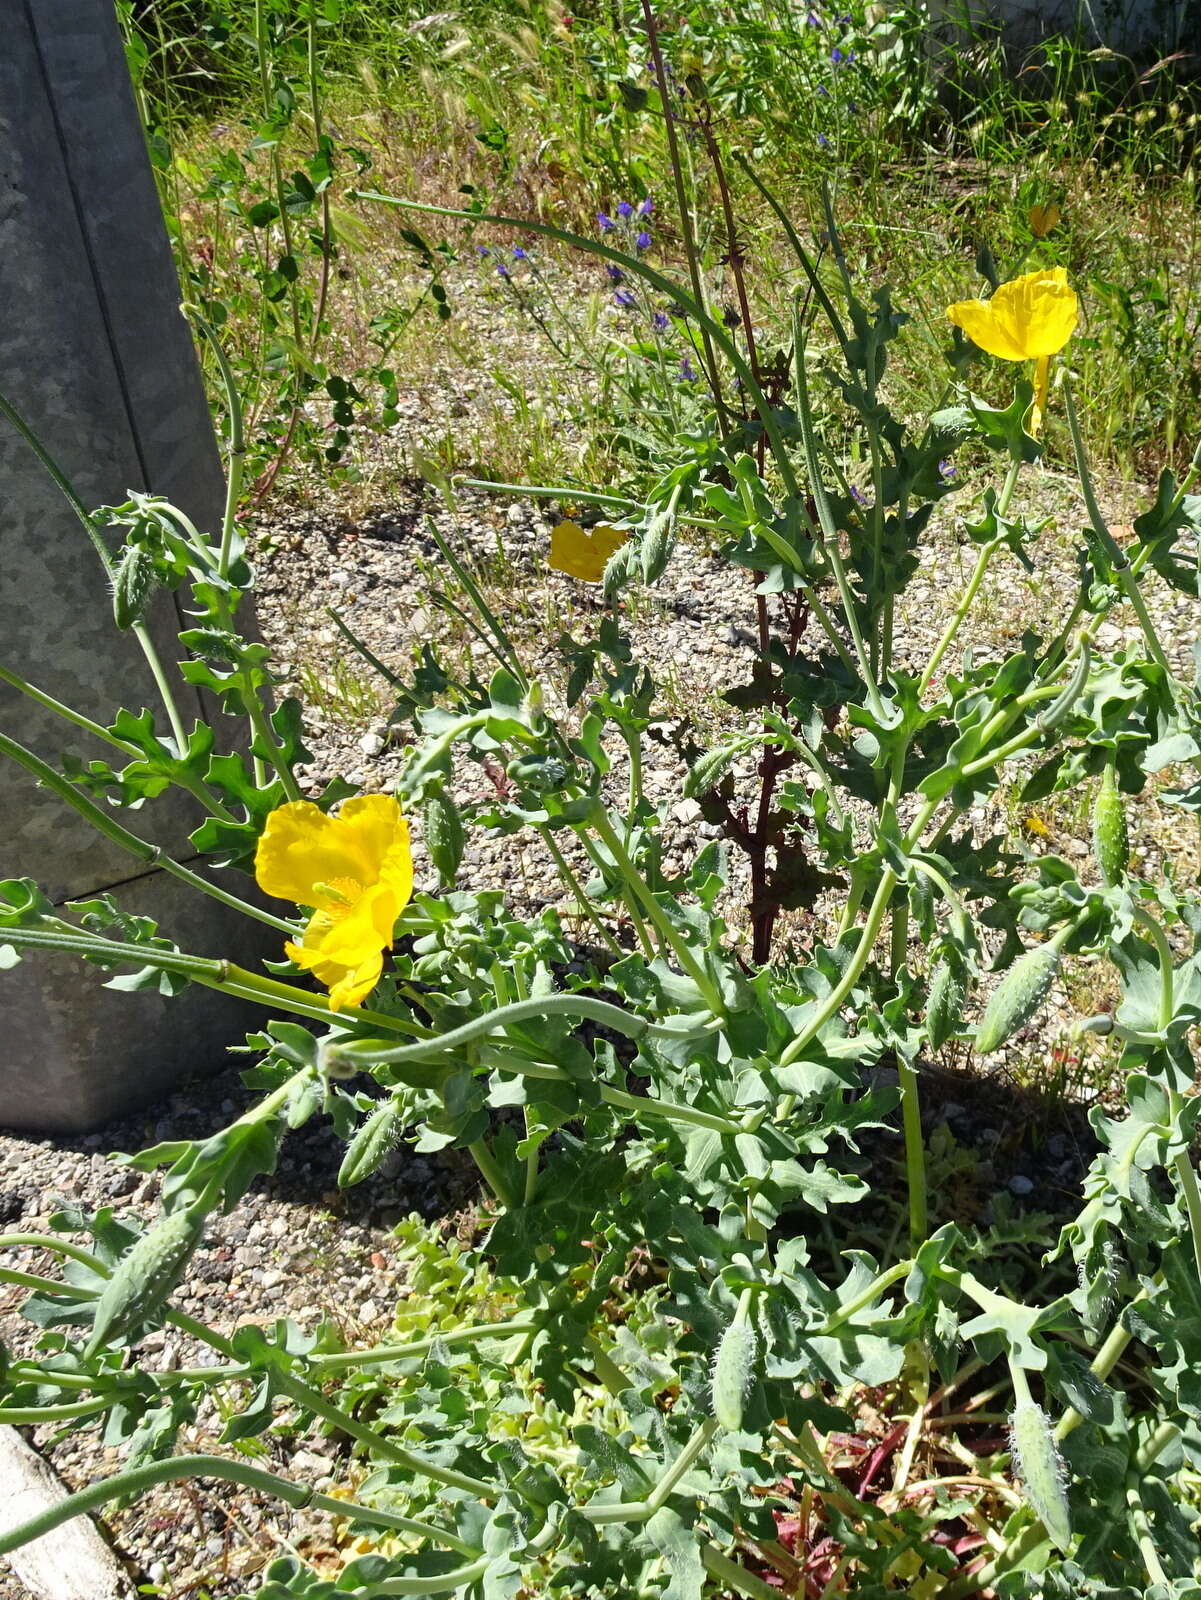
[584,553]
[356,870]
[1034,315]
[301,847]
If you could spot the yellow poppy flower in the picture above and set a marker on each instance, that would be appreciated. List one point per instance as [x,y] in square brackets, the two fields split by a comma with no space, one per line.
[1029,318]
[584,553]
[355,870]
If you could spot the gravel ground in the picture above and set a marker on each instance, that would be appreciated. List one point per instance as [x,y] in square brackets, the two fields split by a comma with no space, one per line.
[299,1247]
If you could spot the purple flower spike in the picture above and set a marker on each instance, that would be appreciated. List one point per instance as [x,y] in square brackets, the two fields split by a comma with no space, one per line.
[660,322]
[624,208]
[606,222]
[646,207]
[643,241]
[623,297]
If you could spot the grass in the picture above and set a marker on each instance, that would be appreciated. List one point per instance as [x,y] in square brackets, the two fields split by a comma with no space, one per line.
[933,153]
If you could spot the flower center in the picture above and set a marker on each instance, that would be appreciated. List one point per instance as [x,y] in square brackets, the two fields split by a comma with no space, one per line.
[338,896]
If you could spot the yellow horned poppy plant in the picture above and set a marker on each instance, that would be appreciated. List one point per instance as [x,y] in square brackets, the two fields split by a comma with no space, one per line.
[584,553]
[1028,318]
[355,870]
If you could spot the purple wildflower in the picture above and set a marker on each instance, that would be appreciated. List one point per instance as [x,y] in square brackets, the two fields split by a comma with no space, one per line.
[606,222]
[503,272]
[519,254]
[482,250]
[660,322]
[643,241]
[616,275]
[813,20]
[837,57]
[730,317]
[623,297]
[687,371]
[947,470]
[624,208]
[823,142]
[858,496]
[823,91]
[646,206]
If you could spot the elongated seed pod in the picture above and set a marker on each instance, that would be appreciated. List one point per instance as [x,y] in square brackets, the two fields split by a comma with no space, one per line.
[1042,1471]
[708,771]
[145,1276]
[1019,994]
[733,1372]
[944,1005]
[443,835]
[1111,840]
[372,1142]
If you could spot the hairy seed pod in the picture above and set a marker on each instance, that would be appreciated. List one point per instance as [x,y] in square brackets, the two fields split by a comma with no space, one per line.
[145,1276]
[944,1005]
[1042,1472]
[132,582]
[1019,994]
[655,550]
[708,772]
[372,1143]
[443,834]
[733,1373]
[1111,840]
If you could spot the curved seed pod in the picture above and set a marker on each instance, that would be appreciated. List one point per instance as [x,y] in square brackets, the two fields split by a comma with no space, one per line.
[733,1373]
[1111,839]
[377,1136]
[443,834]
[145,1276]
[1042,1471]
[1019,994]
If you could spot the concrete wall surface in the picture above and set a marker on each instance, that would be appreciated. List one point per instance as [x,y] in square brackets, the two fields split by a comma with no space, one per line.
[1161,26]
[96,356]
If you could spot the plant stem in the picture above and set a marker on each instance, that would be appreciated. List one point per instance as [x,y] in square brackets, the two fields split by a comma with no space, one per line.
[179,1468]
[961,611]
[491,1173]
[686,230]
[576,888]
[668,935]
[151,855]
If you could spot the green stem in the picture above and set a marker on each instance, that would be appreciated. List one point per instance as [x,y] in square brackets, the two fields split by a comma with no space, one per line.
[180,1468]
[149,854]
[731,1576]
[833,1003]
[382,1354]
[961,611]
[237,441]
[1114,552]
[576,889]
[915,1153]
[644,1510]
[668,934]
[491,1173]
[220,975]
